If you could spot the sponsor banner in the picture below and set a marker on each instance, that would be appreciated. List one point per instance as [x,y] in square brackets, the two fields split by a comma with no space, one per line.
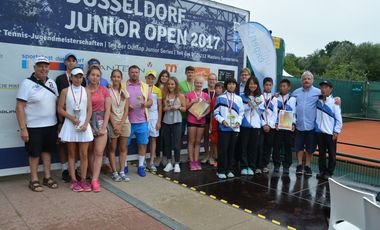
[176,29]
[18,64]
[157,35]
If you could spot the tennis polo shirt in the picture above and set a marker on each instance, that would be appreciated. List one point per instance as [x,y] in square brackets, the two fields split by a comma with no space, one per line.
[41,107]
[138,114]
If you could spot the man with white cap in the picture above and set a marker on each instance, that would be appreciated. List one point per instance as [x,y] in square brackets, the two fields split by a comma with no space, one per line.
[36,115]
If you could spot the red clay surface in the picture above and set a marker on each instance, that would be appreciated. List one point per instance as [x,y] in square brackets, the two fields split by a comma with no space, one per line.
[361,133]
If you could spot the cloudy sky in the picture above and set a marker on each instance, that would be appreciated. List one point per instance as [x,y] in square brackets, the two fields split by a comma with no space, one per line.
[307,25]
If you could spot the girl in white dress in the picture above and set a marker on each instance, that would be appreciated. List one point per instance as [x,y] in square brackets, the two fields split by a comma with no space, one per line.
[75,106]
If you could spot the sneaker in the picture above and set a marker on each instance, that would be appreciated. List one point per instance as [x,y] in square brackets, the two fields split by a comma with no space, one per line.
[265,170]
[177,169]
[258,171]
[205,160]
[125,169]
[164,161]
[326,176]
[85,186]
[285,170]
[222,176]
[141,171]
[276,170]
[192,165]
[244,172]
[152,168]
[197,165]
[230,175]
[65,176]
[308,171]
[250,172]
[157,161]
[124,178]
[75,186]
[319,176]
[115,177]
[299,170]
[211,161]
[95,186]
[168,167]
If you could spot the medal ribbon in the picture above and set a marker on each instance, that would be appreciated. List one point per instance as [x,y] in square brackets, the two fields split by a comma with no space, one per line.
[283,102]
[266,102]
[68,79]
[228,102]
[189,88]
[118,100]
[75,100]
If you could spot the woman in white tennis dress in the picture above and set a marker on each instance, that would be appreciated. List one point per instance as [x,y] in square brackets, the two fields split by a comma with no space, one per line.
[75,106]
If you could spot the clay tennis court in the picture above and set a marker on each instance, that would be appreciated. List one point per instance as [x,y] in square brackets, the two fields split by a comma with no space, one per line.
[360,133]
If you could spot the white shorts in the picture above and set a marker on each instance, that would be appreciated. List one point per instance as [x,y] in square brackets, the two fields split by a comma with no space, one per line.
[153,132]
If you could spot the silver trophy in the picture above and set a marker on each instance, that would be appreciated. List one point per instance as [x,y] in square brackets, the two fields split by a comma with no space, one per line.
[77,116]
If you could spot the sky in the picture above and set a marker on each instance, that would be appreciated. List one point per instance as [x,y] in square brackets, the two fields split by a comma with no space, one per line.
[308,25]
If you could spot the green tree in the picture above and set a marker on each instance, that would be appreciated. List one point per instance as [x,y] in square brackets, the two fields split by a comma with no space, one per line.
[290,65]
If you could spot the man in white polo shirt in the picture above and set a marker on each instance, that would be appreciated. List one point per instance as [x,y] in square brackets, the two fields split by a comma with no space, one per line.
[36,116]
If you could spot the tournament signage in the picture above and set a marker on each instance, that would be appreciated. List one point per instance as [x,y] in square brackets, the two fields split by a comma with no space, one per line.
[182,30]
[153,34]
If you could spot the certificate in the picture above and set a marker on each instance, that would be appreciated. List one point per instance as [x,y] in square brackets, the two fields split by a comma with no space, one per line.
[199,108]
[286,120]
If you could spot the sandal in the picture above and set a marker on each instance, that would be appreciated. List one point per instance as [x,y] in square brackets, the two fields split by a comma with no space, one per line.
[35,186]
[50,183]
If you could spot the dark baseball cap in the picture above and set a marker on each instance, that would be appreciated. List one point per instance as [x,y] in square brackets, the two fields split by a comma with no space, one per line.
[326,82]
[93,61]
[67,56]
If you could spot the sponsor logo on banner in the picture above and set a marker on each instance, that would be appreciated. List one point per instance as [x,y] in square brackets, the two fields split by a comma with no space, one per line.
[202,71]
[223,74]
[171,68]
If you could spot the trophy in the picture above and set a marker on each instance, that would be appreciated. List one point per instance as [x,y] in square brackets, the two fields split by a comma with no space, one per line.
[231,119]
[139,102]
[77,116]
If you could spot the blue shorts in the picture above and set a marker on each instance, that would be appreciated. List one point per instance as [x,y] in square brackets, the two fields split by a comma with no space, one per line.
[141,131]
[305,140]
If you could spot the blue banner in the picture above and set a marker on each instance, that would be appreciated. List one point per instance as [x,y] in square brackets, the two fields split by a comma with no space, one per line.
[174,29]
[260,50]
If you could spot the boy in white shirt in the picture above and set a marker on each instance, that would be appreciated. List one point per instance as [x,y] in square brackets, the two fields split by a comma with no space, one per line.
[328,125]
[268,123]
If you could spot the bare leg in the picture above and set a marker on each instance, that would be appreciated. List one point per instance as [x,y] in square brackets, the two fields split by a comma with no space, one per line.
[191,133]
[300,157]
[153,143]
[123,151]
[33,165]
[46,159]
[83,153]
[141,149]
[99,145]
[71,147]
[197,142]
[112,154]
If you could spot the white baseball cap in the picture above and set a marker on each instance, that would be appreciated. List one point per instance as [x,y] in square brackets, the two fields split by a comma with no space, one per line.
[76,71]
[41,59]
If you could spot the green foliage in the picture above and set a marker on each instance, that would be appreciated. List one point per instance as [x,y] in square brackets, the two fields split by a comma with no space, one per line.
[339,60]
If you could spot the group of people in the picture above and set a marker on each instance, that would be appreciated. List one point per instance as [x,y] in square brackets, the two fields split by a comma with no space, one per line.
[238,122]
